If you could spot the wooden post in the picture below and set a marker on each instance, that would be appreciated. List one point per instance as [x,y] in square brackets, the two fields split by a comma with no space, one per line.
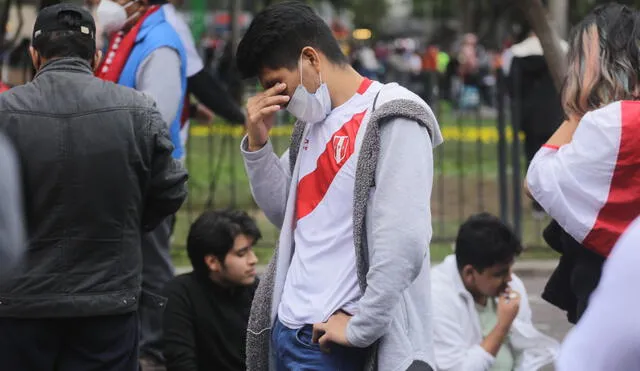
[554,55]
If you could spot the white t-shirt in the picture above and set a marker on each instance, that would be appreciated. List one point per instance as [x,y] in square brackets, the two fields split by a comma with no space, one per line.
[322,277]
[194,62]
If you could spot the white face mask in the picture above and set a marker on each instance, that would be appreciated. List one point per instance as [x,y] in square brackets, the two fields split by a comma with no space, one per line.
[113,16]
[307,107]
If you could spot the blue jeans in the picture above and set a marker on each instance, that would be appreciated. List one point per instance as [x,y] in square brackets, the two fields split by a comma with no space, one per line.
[294,351]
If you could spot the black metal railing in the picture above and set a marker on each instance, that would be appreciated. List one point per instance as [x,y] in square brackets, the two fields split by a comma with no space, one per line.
[479,167]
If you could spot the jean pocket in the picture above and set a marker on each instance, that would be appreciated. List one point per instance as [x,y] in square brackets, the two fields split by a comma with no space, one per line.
[304,336]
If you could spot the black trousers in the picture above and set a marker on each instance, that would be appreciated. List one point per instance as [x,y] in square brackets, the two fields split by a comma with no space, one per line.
[157,271]
[108,343]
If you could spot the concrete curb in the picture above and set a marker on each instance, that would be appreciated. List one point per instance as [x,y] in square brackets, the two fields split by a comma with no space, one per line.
[526,268]
[535,267]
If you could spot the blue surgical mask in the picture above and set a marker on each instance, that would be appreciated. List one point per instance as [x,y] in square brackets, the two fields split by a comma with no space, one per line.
[308,107]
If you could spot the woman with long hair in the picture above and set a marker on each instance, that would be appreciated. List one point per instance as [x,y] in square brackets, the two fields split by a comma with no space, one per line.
[587,176]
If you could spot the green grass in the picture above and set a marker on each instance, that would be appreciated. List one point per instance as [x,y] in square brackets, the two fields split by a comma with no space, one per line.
[218,180]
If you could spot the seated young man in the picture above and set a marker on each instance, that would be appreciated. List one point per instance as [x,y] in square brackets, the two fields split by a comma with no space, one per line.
[482,317]
[205,320]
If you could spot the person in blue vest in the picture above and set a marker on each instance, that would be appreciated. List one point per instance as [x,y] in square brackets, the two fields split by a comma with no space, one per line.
[145,53]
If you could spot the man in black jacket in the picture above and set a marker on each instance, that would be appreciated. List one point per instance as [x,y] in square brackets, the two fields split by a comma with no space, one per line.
[205,320]
[97,172]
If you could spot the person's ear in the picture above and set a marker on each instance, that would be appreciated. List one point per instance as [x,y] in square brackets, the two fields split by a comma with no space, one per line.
[311,56]
[35,58]
[467,274]
[97,58]
[213,263]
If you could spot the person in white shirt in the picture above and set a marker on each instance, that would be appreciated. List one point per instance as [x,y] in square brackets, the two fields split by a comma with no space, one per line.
[608,335]
[482,317]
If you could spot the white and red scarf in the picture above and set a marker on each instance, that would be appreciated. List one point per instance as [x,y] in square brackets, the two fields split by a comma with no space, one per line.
[591,186]
[120,47]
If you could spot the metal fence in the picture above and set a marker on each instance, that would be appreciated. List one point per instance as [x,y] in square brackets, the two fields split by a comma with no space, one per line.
[479,167]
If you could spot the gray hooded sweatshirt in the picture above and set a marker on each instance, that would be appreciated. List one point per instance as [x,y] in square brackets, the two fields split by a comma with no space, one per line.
[11,217]
[392,232]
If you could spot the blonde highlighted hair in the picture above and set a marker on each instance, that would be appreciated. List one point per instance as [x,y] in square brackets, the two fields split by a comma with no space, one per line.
[604,60]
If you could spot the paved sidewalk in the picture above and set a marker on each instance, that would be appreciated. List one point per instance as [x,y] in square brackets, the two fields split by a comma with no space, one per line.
[535,267]
[522,268]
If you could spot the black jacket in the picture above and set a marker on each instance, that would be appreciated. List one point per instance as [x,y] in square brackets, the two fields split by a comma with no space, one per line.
[96,168]
[205,325]
[576,276]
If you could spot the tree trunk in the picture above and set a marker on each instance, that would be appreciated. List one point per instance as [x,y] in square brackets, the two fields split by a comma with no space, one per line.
[554,55]
[560,15]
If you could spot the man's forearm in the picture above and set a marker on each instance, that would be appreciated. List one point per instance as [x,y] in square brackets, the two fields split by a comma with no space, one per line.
[494,340]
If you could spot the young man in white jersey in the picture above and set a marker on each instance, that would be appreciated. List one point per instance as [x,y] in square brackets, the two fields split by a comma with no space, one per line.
[348,288]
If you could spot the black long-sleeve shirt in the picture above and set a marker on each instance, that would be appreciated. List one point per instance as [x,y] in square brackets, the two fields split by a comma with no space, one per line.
[205,325]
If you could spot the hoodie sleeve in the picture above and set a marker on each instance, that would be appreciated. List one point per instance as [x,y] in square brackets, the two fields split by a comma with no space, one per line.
[11,213]
[401,226]
[269,178]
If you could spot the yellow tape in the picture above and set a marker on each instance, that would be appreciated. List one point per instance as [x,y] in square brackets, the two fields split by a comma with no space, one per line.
[464,134]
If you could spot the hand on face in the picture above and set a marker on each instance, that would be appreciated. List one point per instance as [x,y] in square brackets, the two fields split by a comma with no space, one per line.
[261,111]
[508,307]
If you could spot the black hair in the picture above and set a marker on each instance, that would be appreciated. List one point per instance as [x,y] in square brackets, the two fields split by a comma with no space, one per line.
[214,233]
[484,240]
[277,36]
[61,44]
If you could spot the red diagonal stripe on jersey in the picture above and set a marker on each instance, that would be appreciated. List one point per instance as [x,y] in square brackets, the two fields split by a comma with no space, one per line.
[623,202]
[313,186]
[364,85]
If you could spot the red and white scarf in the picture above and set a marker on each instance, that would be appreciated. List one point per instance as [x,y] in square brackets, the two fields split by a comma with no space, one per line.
[591,185]
[120,47]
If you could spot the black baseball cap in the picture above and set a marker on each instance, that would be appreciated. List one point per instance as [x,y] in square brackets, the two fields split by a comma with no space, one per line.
[51,19]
